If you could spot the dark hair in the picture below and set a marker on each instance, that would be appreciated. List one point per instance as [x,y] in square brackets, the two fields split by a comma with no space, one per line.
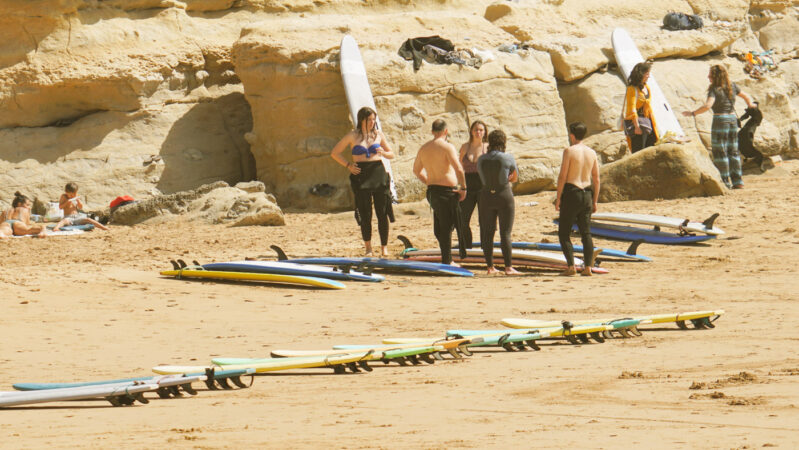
[71,187]
[637,74]
[485,128]
[19,199]
[720,79]
[578,130]
[439,125]
[364,114]
[496,141]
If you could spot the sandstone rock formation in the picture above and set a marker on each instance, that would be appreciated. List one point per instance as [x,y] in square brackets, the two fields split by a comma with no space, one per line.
[664,171]
[235,90]
[212,203]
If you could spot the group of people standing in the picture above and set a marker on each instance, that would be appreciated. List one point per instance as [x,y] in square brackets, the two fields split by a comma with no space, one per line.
[479,175]
[641,128]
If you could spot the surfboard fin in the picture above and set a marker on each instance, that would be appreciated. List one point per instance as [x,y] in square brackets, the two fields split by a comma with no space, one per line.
[682,325]
[163,392]
[533,345]
[365,366]
[174,264]
[633,248]
[709,221]
[583,337]
[571,339]
[405,241]
[454,353]
[464,350]
[598,337]
[635,331]
[222,382]
[353,367]
[281,255]
[140,398]
[414,360]
[427,358]
[438,356]
[401,361]
[182,263]
[338,368]
[237,381]
[699,324]
[187,388]
[209,379]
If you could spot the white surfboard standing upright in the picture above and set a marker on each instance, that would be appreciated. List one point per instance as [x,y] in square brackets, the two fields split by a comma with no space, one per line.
[359,94]
[627,56]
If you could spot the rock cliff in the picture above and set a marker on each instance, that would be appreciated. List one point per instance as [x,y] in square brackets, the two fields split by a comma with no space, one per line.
[234,90]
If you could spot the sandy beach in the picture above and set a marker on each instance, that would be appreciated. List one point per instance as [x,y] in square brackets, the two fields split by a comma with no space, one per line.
[93,307]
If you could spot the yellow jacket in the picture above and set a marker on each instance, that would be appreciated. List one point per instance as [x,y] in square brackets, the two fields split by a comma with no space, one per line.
[635,100]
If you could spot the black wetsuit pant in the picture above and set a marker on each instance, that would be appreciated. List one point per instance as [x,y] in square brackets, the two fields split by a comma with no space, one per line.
[473,186]
[496,205]
[446,216]
[642,141]
[363,202]
[575,207]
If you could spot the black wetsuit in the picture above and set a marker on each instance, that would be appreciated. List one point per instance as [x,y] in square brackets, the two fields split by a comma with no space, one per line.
[446,216]
[370,186]
[575,206]
[496,203]
[473,187]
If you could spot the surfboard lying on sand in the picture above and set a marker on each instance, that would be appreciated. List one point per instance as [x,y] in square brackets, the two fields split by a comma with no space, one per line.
[222,376]
[600,253]
[288,268]
[480,260]
[415,355]
[627,56]
[264,277]
[118,394]
[454,346]
[568,330]
[700,319]
[705,227]
[356,87]
[351,360]
[625,233]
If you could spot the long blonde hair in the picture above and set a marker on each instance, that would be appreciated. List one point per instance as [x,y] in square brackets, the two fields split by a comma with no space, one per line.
[719,78]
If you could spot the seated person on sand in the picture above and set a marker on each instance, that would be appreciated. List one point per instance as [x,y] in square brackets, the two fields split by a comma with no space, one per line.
[19,218]
[5,227]
[71,204]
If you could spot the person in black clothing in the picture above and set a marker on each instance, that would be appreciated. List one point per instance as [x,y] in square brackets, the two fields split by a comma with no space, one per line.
[368,177]
[469,153]
[577,197]
[497,171]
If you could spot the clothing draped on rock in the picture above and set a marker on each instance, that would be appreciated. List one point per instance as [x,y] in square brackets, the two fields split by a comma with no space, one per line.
[436,50]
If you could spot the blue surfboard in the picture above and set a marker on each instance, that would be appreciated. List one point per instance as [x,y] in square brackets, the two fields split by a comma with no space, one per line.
[652,236]
[398,265]
[220,375]
[290,268]
[630,255]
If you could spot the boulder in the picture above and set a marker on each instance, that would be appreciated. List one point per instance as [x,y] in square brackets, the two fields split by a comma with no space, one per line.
[576,33]
[211,203]
[780,35]
[292,79]
[666,171]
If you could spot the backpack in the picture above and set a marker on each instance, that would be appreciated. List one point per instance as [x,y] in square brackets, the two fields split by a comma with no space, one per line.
[675,21]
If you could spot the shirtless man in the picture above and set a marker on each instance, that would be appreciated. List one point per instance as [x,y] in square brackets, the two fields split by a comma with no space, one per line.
[437,166]
[577,197]
[72,206]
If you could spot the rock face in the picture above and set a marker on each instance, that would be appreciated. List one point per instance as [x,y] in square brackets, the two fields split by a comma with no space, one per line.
[212,203]
[151,97]
[663,172]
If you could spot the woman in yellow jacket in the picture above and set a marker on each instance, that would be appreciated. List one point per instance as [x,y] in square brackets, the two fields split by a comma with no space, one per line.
[639,122]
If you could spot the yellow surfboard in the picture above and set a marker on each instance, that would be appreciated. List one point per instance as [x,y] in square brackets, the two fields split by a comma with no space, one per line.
[679,318]
[267,365]
[248,276]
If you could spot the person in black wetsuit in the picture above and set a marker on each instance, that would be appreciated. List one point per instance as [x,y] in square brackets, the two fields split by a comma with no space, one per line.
[497,171]
[437,166]
[368,177]
[469,153]
[577,197]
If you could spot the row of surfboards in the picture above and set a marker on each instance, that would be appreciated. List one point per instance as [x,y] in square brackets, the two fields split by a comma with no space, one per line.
[227,373]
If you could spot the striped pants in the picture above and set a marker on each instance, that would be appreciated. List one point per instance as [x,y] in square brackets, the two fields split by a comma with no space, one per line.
[724,145]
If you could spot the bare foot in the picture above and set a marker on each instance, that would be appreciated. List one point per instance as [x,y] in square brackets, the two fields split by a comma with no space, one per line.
[384,251]
[586,272]
[492,270]
[570,272]
[368,246]
[511,271]
[454,264]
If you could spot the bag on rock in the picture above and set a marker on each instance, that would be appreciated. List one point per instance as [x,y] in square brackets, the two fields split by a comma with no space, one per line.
[675,21]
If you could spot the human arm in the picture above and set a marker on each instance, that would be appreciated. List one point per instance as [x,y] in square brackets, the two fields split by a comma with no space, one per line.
[452,157]
[63,201]
[418,168]
[385,149]
[337,155]
[513,176]
[747,99]
[564,170]
[711,99]
[595,179]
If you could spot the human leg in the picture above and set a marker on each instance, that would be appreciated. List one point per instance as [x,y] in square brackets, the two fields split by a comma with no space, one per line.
[718,146]
[381,202]
[734,156]
[487,213]
[440,199]
[363,202]
[584,226]
[568,216]
[506,214]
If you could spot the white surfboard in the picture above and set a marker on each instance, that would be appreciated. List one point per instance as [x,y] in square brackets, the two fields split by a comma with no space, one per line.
[627,56]
[79,393]
[359,94]
[661,221]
